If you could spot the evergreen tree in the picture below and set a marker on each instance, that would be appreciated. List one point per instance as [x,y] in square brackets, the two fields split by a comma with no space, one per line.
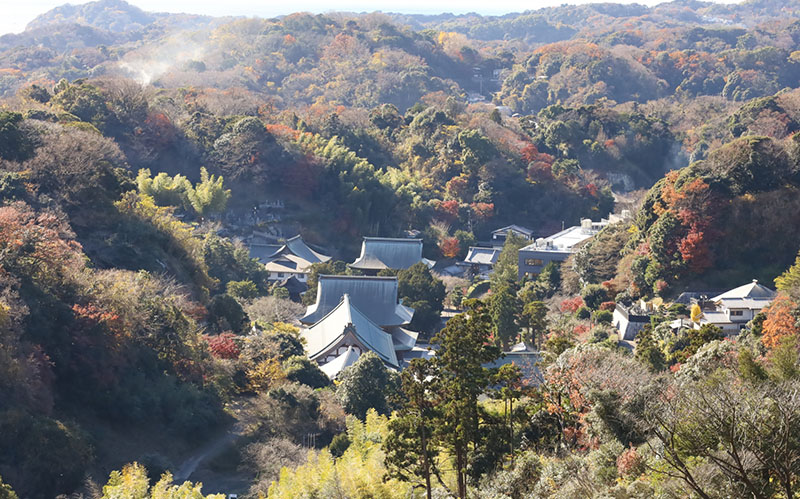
[460,379]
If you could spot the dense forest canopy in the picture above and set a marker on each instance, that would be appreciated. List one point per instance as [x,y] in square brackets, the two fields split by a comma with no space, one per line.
[139,150]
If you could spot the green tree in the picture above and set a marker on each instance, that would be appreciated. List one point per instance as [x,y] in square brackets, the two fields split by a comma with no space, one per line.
[209,196]
[244,290]
[593,295]
[506,269]
[460,379]
[534,319]
[301,369]
[423,292]
[5,491]
[227,314]
[365,385]
[503,306]
[409,447]
[15,145]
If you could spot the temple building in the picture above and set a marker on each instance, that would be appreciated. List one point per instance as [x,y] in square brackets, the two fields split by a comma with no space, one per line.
[353,315]
[378,253]
[293,259]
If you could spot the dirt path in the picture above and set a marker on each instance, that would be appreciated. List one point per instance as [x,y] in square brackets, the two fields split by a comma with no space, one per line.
[209,451]
[243,420]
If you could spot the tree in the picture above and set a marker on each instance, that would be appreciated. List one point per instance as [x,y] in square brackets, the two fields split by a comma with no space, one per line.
[132,483]
[789,281]
[593,295]
[226,313]
[503,306]
[506,269]
[409,447]
[534,318]
[244,290]
[780,321]
[15,144]
[209,196]
[747,432]
[460,379]
[365,385]
[423,292]
[301,369]
[6,492]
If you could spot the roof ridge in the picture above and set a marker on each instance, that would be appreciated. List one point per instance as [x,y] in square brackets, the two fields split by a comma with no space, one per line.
[401,239]
[364,277]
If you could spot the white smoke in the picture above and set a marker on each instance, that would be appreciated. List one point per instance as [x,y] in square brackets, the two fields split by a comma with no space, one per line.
[150,62]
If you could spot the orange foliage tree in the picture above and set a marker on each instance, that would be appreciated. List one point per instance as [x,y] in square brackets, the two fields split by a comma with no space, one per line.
[781,321]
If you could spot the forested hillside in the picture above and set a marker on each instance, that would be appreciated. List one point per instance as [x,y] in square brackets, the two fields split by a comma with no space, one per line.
[137,148]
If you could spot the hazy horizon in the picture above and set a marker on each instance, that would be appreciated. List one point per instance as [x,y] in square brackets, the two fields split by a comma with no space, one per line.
[15,22]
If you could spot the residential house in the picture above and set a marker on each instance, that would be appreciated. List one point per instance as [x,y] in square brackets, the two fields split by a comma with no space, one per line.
[378,253]
[556,248]
[499,235]
[293,259]
[353,315]
[480,261]
[733,309]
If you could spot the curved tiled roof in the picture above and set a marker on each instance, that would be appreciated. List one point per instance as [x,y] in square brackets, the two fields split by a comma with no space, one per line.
[379,253]
[296,246]
[374,296]
[343,319]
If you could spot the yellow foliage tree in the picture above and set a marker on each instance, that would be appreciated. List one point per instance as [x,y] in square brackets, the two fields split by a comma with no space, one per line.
[359,472]
[132,483]
[696,313]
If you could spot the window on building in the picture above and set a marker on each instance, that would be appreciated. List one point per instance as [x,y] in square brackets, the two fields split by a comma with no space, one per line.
[280,274]
[737,312]
[534,262]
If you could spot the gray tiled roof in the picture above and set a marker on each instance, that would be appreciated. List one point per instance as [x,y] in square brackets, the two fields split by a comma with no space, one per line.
[752,290]
[379,253]
[374,296]
[344,319]
[296,246]
[482,256]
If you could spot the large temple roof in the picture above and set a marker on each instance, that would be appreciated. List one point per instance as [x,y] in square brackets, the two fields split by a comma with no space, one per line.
[379,253]
[376,297]
[345,319]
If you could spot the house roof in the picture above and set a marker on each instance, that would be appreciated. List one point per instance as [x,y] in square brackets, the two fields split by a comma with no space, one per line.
[379,253]
[751,291]
[297,247]
[516,228]
[337,365]
[263,252]
[482,256]
[293,285]
[374,296]
[345,319]
[288,263]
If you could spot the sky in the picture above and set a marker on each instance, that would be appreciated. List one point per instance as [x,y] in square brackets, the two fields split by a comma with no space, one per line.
[15,14]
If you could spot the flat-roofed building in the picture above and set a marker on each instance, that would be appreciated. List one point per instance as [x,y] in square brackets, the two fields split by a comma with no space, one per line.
[555,248]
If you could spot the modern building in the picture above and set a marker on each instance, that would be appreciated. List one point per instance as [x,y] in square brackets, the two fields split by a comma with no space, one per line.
[480,261]
[378,253]
[733,309]
[293,259]
[353,315]
[499,235]
[556,248]
[629,320]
